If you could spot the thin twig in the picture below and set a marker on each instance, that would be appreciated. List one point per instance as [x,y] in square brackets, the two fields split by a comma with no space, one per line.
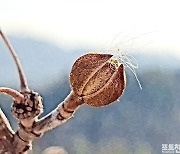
[59,115]
[23,81]
[17,96]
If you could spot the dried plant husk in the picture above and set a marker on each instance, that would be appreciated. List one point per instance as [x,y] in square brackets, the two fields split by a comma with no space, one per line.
[98,78]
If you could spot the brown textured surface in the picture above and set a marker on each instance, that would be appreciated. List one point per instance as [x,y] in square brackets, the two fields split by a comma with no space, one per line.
[29,108]
[84,68]
[99,79]
[110,92]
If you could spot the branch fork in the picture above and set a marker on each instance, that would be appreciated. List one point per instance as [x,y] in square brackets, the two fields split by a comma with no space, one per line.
[96,80]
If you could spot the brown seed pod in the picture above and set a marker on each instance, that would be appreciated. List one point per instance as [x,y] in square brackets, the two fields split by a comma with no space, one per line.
[98,79]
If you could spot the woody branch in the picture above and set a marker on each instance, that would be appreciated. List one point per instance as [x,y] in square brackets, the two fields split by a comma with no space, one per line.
[96,80]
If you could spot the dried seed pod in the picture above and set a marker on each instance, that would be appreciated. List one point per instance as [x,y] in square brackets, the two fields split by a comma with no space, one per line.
[98,79]
[84,68]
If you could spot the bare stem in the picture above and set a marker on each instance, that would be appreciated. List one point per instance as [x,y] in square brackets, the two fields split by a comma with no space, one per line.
[17,96]
[6,134]
[60,115]
[24,137]
[23,81]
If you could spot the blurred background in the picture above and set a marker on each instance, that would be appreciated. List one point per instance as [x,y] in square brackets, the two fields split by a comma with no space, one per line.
[50,35]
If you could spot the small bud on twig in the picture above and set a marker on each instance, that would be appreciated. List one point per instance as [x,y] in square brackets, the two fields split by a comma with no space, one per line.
[28,109]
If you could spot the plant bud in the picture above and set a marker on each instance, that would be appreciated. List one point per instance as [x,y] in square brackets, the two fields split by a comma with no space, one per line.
[98,78]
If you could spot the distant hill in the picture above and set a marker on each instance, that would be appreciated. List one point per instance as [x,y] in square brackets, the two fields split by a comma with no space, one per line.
[43,61]
[141,121]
